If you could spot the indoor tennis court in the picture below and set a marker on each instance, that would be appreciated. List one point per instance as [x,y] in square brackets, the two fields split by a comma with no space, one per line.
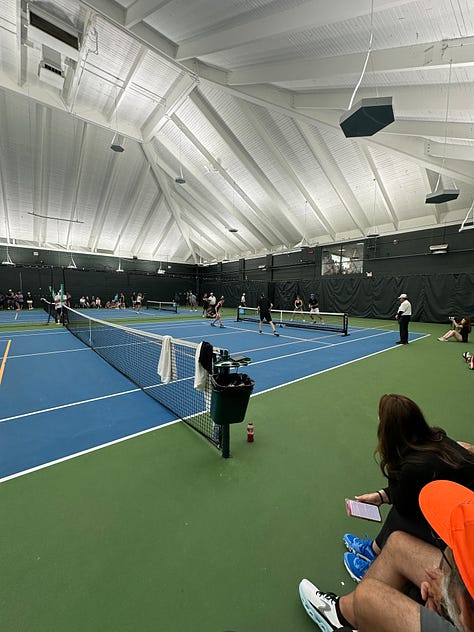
[168,165]
[145,497]
[73,383]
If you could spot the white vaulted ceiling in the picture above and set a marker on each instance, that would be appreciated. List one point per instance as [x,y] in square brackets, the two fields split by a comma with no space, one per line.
[243,98]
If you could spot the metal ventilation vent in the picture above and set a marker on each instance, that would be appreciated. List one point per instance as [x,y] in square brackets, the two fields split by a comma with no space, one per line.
[50,70]
[48,30]
[53,69]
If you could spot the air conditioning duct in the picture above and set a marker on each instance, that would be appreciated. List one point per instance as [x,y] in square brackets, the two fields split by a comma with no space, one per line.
[50,68]
[48,30]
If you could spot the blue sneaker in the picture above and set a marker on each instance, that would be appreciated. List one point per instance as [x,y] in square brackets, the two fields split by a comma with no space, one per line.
[320,606]
[355,566]
[361,548]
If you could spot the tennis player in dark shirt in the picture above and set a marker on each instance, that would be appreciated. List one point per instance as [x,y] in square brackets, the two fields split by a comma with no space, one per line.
[264,309]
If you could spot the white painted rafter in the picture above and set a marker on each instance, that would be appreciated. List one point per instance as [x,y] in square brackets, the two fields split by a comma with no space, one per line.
[249,163]
[3,182]
[164,233]
[103,202]
[259,228]
[174,97]
[215,207]
[380,184]
[162,182]
[120,93]
[113,12]
[142,9]
[419,57]
[330,168]
[128,204]
[284,164]
[311,13]
[79,158]
[433,182]
[156,205]
[201,210]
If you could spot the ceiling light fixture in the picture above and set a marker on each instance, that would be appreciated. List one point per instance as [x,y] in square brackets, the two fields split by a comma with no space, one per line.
[369,115]
[117,143]
[119,269]
[440,194]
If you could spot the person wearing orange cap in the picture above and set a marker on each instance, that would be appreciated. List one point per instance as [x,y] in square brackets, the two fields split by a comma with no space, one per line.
[449,508]
[411,453]
[445,577]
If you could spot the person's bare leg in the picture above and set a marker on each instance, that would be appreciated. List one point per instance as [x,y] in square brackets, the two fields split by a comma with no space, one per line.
[403,558]
[382,608]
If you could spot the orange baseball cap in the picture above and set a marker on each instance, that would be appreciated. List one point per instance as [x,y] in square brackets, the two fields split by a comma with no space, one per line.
[449,508]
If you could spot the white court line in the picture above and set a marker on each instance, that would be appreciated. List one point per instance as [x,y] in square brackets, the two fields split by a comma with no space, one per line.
[42,353]
[338,366]
[79,403]
[94,449]
[316,349]
[300,340]
[105,445]
[29,333]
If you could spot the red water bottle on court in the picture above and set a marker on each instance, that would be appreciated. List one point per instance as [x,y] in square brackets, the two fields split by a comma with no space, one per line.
[250,432]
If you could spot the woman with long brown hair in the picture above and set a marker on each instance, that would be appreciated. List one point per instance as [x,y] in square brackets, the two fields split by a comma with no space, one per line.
[411,454]
[460,330]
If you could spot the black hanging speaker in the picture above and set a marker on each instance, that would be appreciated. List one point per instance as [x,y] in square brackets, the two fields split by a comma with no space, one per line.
[367,117]
[442,195]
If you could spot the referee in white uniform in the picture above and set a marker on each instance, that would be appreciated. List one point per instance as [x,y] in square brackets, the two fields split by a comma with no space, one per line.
[403,316]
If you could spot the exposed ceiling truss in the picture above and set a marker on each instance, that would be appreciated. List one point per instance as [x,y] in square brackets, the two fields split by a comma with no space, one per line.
[243,100]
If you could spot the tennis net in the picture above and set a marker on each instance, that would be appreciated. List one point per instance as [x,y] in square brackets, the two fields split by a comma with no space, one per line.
[164,306]
[329,321]
[136,354]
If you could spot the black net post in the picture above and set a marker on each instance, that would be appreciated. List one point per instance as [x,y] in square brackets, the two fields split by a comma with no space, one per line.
[225,434]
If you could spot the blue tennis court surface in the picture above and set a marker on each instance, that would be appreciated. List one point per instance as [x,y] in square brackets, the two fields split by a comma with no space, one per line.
[59,398]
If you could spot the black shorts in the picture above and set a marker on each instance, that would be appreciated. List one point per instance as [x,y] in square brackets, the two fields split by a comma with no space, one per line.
[266,316]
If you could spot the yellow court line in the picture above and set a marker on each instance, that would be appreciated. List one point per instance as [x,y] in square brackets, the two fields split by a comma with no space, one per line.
[4,361]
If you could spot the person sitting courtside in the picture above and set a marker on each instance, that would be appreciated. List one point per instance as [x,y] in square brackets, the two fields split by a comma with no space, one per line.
[460,331]
[411,453]
[445,578]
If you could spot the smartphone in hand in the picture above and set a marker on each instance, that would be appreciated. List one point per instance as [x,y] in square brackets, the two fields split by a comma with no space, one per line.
[363,510]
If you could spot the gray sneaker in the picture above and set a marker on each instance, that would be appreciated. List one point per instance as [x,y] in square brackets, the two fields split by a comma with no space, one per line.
[320,606]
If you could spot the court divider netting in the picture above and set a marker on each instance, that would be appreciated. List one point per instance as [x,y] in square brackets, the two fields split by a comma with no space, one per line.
[164,306]
[328,321]
[136,354]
